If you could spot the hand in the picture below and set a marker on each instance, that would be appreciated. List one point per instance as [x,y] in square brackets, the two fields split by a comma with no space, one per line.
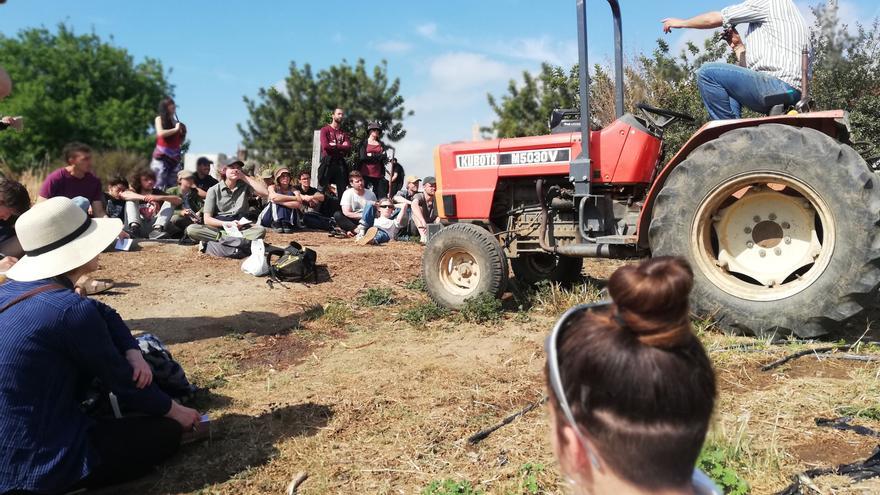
[143,375]
[8,120]
[7,262]
[187,417]
[149,198]
[733,39]
[671,23]
[123,235]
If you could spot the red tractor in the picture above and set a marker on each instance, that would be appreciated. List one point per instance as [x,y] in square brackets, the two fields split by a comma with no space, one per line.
[778,216]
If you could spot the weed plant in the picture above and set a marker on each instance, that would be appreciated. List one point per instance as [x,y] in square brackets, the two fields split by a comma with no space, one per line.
[416,284]
[336,313]
[423,313]
[482,309]
[376,297]
[451,487]
[719,461]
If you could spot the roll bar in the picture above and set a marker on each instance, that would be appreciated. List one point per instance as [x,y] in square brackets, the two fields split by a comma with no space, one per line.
[579,169]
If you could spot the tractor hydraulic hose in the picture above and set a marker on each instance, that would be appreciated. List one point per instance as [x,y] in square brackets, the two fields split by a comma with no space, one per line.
[542,228]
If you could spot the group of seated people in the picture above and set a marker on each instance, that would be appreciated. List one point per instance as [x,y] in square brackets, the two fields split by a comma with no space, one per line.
[198,207]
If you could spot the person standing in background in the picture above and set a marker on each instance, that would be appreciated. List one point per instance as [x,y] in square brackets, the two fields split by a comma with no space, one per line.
[170,134]
[335,145]
[371,156]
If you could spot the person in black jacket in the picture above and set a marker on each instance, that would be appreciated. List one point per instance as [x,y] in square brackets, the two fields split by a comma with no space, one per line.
[371,161]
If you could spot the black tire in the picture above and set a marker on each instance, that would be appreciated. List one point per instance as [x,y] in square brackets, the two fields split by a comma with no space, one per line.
[841,192]
[480,247]
[532,268]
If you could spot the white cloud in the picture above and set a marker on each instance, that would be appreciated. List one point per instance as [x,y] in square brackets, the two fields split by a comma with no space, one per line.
[695,36]
[393,46]
[543,49]
[458,71]
[428,30]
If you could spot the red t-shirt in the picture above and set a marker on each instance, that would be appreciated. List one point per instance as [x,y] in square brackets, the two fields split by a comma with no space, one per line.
[61,183]
[372,167]
[334,142]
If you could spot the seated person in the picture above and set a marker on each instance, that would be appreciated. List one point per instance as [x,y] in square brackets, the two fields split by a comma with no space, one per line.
[770,54]
[311,203]
[14,200]
[406,194]
[227,201]
[281,212]
[379,229]
[631,388]
[397,175]
[115,203]
[76,181]
[53,342]
[190,206]
[203,178]
[424,210]
[147,209]
[353,202]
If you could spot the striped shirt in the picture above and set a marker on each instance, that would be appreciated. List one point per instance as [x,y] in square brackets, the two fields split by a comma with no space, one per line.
[776,36]
[51,346]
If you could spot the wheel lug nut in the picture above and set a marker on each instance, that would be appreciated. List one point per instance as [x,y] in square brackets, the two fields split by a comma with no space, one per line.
[772,216]
[747,230]
[787,240]
[786,225]
[762,253]
[756,219]
[750,244]
[777,251]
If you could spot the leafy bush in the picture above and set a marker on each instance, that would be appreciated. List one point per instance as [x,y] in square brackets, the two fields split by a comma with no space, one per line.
[869,412]
[417,284]
[376,297]
[422,313]
[481,309]
[451,487]
[718,462]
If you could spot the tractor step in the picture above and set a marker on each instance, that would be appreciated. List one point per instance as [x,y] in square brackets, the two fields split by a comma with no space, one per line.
[617,239]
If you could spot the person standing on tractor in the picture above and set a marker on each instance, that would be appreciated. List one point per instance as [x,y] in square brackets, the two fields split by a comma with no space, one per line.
[773,46]
[372,158]
[335,145]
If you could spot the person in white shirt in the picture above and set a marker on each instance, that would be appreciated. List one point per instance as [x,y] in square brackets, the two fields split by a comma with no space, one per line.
[770,52]
[381,228]
[353,202]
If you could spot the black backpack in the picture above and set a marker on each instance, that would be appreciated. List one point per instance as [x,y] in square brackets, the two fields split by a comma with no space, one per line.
[293,264]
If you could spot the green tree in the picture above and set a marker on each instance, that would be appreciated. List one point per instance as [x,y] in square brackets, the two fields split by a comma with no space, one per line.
[282,121]
[76,87]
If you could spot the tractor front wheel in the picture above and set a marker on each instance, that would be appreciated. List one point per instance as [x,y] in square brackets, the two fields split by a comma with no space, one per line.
[461,262]
[778,223]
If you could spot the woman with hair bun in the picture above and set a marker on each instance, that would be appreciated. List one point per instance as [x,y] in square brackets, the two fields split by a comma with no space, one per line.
[631,387]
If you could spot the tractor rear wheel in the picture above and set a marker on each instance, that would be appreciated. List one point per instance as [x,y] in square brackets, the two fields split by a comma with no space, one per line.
[461,262]
[534,267]
[780,226]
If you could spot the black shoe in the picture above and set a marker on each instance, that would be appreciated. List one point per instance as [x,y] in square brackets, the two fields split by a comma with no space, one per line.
[286,228]
[158,233]
[277,227]
[186,241]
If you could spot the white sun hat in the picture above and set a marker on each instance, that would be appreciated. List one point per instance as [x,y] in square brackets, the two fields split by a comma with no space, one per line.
[57,236]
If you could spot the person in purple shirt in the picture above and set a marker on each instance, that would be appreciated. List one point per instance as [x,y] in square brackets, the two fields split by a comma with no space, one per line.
[53,341]
[75,180]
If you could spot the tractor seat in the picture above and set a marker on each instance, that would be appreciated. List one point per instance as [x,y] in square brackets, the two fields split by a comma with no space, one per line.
[781,103]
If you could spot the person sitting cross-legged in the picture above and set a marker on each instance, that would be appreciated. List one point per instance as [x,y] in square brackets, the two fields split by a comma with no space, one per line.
[53,342]
[148,209]
[227,201]
[353,202]
[379,229]
[282,211]
[311,203]
[190,208]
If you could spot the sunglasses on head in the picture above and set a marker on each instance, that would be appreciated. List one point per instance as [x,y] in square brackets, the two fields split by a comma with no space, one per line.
[551,347]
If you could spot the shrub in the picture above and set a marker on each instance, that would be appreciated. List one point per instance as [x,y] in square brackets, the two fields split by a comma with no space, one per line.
[481,309]
[416,284]
[422,313]
[718,462]
[336,313]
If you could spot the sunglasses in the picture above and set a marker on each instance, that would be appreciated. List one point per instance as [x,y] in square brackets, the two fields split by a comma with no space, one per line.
[386,206]
[551,347]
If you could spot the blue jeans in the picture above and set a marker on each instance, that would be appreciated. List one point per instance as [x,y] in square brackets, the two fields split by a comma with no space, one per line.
[725,88]
[367,220]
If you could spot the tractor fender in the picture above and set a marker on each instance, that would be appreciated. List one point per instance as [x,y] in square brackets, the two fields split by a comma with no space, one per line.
[834,123]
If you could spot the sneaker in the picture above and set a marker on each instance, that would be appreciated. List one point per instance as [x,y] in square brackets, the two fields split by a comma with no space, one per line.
[286,227]
[187,241]
[202,246]
[158,233]
[367,237]
[277,227]
[423,239]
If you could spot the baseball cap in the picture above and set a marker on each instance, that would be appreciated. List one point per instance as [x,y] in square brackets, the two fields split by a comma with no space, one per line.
[430,180]
[185,174]
[203,160]
[235,163]
[267,173]
[412,178]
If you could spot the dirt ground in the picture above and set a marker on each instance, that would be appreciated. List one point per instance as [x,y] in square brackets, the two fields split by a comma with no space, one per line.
[307,378]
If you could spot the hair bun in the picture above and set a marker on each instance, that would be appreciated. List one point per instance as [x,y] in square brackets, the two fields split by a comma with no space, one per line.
[652,300]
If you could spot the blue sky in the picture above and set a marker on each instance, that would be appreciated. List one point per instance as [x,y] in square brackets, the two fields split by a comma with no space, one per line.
[448,55]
